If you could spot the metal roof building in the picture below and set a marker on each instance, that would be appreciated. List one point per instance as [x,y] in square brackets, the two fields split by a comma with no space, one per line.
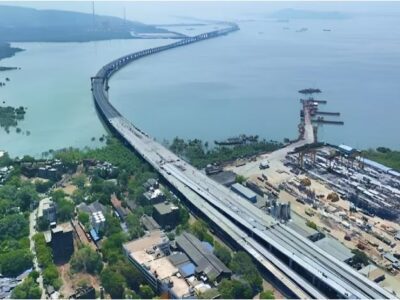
[206,262]
[346,149]
[244,192]
[376,165]
[335,248]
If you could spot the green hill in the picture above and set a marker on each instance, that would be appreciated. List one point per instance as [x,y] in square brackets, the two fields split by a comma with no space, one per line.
[20,24]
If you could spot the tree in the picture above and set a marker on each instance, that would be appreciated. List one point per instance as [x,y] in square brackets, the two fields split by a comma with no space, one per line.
[15,262]
[43,186]
[134,225]
[86,260]
[268,294]
[132,276]
[234,289]
[14,226]
[65,210]
[84,218]
[113,283]
[243,265]
[200,230]
[359,257]
[43,252]
[58,195]
[146,292]
[183,216]
[79,181]
[27,197]
[112,225]
[222,253]
[50,274]
[112,247]
[29,289]
[240,179]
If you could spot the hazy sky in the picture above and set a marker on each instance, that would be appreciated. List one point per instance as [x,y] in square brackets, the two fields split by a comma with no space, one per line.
[156,11]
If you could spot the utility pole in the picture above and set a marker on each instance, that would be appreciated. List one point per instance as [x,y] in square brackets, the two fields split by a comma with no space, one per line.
[93,17]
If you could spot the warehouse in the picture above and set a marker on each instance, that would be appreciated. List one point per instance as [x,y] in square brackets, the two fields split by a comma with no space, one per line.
[244,192]
[205,261]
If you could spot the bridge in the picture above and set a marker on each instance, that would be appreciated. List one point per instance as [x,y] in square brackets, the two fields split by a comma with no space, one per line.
[296,263]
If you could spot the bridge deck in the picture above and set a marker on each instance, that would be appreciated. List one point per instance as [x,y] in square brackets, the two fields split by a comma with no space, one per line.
[235,215]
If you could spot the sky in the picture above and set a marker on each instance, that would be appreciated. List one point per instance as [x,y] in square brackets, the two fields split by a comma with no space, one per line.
[169,11]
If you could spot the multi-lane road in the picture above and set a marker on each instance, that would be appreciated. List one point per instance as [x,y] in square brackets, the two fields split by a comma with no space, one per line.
[296,262]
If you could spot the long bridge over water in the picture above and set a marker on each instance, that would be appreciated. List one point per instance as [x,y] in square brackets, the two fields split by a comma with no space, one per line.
[300,268]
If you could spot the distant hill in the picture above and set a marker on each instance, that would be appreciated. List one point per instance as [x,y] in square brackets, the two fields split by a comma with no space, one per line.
[290,13]
[20,24]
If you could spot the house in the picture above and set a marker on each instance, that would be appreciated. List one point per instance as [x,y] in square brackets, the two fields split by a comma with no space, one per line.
[47,210]
[149,223]
[96,212]
[121,211]
[166,214]
[154,196]
[151,183]
[61,241]
[149,254]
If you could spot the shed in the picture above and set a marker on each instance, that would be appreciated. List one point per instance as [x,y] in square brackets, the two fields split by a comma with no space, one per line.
[226,178]
[373,273]
[376,165]
[346,149]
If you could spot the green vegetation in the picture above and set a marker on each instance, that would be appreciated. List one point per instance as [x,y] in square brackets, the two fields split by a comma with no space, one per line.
[84,218]
[311,224]
[235,289]
[198,154]
[15,262]
[200,229]
[134,226]
[45,260]
[385,156]
[29,289]
[22,24]
[223,253]
[16,200]
[113,282]
[240,179]
[118,278]
[268,294]
[243,266]
[359,258]
[86,260]
[42,186]
[146,292]
[10,116]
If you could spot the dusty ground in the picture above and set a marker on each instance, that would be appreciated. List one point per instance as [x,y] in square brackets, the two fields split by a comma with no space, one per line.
[72,281]
[278,173]
[69,189]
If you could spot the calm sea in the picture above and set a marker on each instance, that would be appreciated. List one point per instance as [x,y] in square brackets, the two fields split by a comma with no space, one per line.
[246,82]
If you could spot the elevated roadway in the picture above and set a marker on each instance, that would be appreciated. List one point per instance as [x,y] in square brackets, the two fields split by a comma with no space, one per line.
[306,270]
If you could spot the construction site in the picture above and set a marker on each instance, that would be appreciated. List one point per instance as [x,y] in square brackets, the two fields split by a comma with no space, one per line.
[331,193]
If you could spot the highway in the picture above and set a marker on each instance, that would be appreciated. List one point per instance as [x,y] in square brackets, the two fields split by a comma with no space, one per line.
[274,245]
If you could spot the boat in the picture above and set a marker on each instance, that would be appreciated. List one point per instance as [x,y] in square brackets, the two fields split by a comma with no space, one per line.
[239,140]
